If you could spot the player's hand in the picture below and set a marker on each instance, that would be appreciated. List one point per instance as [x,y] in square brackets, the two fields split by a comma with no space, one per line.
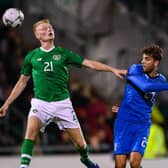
[115,108]
[3,110]
[120,73]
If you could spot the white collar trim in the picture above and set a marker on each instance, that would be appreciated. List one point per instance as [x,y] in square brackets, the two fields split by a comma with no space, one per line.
[48,49]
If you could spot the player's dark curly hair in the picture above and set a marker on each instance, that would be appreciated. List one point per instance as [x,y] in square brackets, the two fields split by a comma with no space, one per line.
[154,51]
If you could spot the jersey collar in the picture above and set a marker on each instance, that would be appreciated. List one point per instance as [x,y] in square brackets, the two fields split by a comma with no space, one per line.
[48,49]
[152,77]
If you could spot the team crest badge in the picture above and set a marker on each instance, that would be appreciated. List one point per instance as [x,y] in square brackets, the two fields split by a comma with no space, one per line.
[35,110]
[57,57]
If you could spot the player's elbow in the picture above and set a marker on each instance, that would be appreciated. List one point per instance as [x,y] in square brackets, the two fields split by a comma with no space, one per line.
[89,64]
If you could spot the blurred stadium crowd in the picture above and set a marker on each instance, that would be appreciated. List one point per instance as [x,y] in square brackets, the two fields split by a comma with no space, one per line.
[94,94]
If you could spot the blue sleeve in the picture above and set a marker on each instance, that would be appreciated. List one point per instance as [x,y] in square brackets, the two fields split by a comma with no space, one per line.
[146,86]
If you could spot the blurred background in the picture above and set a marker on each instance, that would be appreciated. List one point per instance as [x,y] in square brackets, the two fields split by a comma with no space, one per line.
[111,31]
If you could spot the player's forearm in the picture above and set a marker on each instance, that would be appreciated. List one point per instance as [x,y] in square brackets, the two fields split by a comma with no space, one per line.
[157,87]
[95,65]
[147,86]
[17,90]
[102,67]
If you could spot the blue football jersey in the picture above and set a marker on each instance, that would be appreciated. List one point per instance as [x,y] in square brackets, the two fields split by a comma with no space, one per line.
[140,94]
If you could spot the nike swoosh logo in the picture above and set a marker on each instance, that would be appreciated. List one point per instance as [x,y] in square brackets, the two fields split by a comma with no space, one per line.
[39,59]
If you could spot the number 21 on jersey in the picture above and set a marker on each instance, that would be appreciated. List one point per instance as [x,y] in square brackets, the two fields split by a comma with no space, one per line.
[48,66]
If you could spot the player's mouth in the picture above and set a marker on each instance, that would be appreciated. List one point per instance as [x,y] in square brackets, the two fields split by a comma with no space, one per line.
[144,67]
[51,35]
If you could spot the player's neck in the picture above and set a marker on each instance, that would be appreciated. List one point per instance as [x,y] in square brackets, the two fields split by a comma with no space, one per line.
[153,74]
[47,45]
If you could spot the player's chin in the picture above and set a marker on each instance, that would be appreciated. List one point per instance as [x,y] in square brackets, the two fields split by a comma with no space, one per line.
[144,69]
[147,70]
[51,37]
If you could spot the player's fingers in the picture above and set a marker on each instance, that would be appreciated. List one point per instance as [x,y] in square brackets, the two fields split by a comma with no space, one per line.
[123,72]
[120,76]
[115,109]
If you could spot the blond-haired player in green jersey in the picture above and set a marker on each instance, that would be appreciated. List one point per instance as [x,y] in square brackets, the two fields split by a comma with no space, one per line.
[48,66]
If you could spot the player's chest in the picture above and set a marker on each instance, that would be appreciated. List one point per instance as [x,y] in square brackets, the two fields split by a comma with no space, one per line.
[48,62]
[148,79]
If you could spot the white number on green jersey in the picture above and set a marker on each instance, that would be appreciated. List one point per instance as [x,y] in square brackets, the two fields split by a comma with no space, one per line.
[48,66]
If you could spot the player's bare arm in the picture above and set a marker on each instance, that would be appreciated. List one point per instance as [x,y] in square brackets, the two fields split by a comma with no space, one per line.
[17,90]
[103,67]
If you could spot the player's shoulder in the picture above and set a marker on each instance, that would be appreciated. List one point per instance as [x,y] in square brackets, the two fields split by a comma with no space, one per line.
[32,52]
[162,77]
[136,66]
[61,49]
[135,69]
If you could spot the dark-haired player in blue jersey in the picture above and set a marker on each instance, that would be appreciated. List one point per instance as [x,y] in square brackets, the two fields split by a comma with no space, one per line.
[133,120]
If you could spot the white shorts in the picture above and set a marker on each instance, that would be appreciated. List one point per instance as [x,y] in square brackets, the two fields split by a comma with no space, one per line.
[59,112]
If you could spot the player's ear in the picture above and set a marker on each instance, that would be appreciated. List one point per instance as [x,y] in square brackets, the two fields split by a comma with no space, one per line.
[37,35]
[157,63]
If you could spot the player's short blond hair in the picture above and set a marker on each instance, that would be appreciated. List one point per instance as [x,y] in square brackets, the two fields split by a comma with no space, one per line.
[35,25]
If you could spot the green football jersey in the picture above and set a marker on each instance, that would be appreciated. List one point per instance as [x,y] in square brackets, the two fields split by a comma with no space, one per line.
[50,73]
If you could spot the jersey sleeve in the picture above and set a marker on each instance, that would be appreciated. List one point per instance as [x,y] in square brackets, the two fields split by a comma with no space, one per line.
[73,58]
[27,67]
[146,86]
